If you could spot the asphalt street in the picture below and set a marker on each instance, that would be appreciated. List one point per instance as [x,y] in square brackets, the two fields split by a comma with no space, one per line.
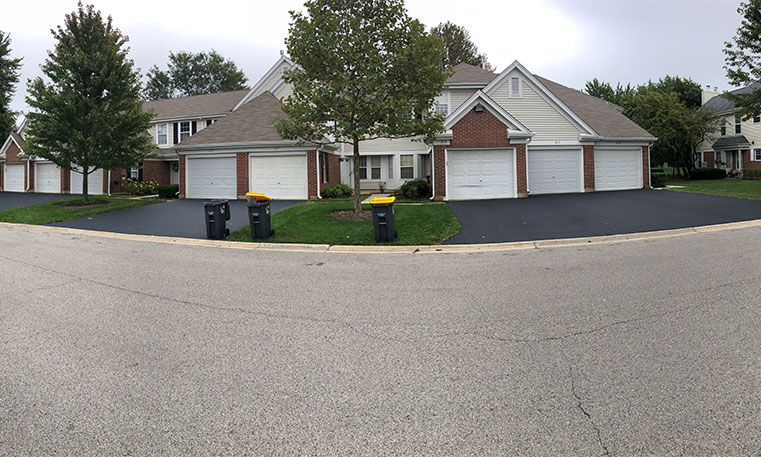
[114,347]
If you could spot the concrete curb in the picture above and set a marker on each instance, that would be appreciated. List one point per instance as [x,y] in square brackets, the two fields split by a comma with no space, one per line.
[446,248]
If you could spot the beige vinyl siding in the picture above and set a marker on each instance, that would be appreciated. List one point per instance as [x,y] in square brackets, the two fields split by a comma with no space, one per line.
[385,145]
[270,82]
[536,113]
[285,91]
[458,97]
[751,131]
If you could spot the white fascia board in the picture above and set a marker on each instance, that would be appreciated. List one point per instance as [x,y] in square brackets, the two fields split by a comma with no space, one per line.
[247,145]
[6,145]
[495,109]
[282,60]
[546,93]
[161,120]
[464,86]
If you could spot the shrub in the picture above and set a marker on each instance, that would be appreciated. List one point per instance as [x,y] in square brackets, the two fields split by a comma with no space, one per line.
[708,173]
[417,188]
[135,187]
[337,191]
[751,174]
[168,191]
[657,170]
[658,179]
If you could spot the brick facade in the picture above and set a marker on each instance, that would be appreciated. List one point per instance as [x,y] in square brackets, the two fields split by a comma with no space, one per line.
[748,164]
[478,130]
[334,170]
[241,165]
[646,167]
[65,181]
[157,170]
[182,176]
[312,174]
[589,168]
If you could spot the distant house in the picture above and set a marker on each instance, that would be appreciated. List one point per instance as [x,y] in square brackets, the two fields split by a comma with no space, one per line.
[738,142]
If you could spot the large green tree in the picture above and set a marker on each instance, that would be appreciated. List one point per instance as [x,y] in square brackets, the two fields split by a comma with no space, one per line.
[743,59]
[9,74]
[89,115]
[194,74]
[605,91]
[458,47]
[365,70]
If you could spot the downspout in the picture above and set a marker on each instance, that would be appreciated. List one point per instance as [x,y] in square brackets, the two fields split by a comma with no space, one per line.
[28,170]
[108,185]
[649,167]
[433,177]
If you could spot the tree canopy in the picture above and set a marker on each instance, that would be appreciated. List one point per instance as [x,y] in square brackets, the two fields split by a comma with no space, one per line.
[194,74]
[9,75]
[743,59]
[458,47]
[605,91]
[365,70]
[89,114]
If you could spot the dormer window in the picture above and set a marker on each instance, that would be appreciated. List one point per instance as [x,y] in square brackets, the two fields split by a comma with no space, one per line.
[516,88]
[162,134]
[185,130]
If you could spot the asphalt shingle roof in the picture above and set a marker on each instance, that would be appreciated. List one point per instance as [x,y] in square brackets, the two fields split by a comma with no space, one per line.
[721,105]
[253,121]
[196,105]
[728,142]
[466,73]
[18,138]
[605,118]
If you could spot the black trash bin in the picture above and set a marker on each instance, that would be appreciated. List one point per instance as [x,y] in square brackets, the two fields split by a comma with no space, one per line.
[383,218]
[259,215]
[216,213]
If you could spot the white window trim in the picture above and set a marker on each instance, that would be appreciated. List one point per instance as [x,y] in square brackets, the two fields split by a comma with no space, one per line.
[753,156]
[738,123]
[511,93]
[180,132]
[401,167]
[372,167]
[361,167]
[158,142]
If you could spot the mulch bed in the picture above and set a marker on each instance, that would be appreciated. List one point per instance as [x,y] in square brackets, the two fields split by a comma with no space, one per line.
[81,203]
[350,214]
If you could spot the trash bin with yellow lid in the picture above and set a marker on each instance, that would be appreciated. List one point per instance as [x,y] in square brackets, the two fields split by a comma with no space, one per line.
[383,218]
[259,215]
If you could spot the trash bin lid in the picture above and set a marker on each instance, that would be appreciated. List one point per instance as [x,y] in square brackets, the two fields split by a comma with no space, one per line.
[382,200]
[260,197]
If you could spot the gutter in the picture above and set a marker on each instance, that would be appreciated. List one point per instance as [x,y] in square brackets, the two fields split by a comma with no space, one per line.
[433,176]
[317,159]
[28,177]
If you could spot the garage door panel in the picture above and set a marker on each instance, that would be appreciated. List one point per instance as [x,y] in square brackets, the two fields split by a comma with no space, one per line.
[281,177]
[618,169]
[211,177]
[48,178]
[14,178]
[94,182]
[554,171]
[480,174]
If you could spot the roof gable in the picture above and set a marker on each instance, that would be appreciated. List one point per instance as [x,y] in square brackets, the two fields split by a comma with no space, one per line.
[513,124]
[13,138]
[265,84]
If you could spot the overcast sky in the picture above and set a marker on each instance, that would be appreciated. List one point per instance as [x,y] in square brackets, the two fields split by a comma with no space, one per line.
[568,41]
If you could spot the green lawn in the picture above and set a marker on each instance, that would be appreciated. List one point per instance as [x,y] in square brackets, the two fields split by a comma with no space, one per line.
[739,188]
[48,212]
[311,222]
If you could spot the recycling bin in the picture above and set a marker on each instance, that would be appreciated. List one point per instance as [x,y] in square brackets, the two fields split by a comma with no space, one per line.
[259,215]
[216,214]
[383,218]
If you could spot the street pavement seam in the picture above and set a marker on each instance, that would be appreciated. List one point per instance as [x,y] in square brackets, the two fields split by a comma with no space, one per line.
[464,248]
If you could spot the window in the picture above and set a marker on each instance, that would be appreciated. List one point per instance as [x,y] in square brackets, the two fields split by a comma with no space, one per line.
[363,168]
[184,130]
[406,169]
[738,124]
[442,108]
[133,173]
[723,130]
[208,122]
[390,167]
[375,167]
[162,134]
[324,168]
[516,89]
[757,155]
[756,119]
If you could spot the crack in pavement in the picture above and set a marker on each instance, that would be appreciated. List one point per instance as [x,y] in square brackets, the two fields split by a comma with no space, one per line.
[580,406]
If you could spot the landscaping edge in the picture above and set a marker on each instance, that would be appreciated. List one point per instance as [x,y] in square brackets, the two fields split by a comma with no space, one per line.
[465,248]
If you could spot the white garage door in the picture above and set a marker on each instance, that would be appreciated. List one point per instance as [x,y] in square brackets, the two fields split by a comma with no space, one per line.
[554,172]
[281,177]
[14,178]
[211,177]
[94,182]
[477,174]
[48,178]
[618,169]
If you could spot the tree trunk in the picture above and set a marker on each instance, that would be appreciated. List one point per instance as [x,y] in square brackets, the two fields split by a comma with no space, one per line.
[355,166]
[85,169]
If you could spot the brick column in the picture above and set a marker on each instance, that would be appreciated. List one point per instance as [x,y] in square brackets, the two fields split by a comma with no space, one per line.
[439,172]
[520,169]
[182,176]
[31,176]
[589,168]
[646,167]
[241,165]
[312,183]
